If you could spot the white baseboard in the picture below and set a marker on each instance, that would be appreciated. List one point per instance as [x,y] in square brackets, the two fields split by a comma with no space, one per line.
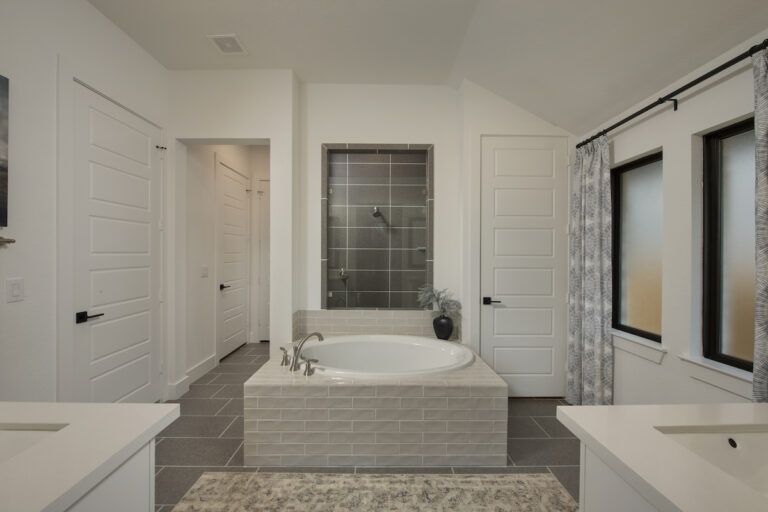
[176,389]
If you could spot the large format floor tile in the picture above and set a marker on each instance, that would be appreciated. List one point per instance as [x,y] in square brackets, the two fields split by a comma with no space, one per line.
[195,451]
[544,452]
[209,435]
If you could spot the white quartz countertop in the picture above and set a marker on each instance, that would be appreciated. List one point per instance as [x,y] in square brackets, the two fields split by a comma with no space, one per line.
[663,471]
[51,470]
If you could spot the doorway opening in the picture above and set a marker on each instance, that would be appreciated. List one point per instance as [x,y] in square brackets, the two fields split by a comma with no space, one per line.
[227,249]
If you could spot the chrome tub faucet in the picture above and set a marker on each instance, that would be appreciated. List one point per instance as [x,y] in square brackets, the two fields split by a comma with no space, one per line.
[295,364]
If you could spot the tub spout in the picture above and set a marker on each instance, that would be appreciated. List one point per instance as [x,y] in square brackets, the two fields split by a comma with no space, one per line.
[297,350]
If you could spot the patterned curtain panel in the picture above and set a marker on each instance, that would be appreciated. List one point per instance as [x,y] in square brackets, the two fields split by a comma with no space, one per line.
[590,346]
[760,375]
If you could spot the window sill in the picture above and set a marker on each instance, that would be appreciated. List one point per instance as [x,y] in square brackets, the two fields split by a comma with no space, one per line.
[638,346]
[719,375]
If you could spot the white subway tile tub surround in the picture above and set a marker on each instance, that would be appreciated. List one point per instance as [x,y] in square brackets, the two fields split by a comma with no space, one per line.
[451,419]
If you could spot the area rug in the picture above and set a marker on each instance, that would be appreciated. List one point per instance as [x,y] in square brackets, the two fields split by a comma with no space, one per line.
[268,492]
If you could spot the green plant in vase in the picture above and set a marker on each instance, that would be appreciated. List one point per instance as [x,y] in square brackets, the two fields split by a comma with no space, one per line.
[448,309]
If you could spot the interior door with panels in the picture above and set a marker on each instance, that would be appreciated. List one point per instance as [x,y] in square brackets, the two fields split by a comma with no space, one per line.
[116,253]
[232,257]
[524,262]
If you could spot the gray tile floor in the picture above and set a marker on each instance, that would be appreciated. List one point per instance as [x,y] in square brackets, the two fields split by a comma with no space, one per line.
[209,435]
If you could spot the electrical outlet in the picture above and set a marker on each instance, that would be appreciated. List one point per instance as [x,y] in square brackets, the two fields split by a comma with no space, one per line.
[14,289]
[204,271]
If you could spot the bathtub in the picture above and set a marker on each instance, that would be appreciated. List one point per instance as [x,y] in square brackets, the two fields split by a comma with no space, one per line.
[386,356]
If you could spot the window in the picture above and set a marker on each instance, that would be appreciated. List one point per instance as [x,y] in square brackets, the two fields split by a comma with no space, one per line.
[636,190]
[728,326]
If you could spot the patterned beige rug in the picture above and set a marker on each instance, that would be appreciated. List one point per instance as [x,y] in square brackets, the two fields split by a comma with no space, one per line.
[295,492]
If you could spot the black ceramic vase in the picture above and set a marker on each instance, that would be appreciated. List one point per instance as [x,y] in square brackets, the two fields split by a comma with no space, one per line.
[443,327]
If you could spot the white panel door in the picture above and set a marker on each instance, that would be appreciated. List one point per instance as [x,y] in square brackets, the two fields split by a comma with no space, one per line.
[116,253]
[232,257]
[524,248]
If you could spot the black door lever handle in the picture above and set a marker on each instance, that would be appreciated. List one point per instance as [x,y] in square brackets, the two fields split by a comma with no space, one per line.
[487,301]
[82,316]
[222,286]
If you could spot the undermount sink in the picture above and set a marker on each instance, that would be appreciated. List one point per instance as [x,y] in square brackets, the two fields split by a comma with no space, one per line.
[739,450]
[17,437]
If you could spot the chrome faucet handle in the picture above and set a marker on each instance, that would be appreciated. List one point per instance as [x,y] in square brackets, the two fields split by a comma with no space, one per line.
[286,361]
[308,370]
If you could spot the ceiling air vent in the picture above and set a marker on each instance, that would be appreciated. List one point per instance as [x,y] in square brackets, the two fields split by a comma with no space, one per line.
[228,44]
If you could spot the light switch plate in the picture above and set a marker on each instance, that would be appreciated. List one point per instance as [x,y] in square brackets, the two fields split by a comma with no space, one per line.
[204,271]
[14,289]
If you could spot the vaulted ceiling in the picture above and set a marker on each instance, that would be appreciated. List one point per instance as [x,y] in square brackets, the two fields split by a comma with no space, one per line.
[575,63]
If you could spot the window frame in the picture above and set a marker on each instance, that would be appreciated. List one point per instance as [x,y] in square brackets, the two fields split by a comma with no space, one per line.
[712,275]
[616,173]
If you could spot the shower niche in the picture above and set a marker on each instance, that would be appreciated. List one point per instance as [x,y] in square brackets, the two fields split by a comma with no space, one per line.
[377,224]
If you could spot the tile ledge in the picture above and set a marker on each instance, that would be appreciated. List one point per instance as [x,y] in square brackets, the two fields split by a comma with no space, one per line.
[638,346]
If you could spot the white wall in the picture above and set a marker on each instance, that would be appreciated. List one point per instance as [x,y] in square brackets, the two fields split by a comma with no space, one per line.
[381,114]
[242,105]
[201,244]
[33,33]
[723,100]
[259,243]
[483,113]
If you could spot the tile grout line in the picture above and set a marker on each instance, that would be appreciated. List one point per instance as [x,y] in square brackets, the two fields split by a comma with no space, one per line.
[223,406]
[235,453]
[230,424]
[542,428]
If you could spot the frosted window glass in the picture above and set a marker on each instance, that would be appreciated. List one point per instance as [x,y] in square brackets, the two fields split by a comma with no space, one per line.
[641,248]
[738,245]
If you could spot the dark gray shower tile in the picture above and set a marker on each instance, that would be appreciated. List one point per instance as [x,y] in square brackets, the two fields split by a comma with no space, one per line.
[409,174]
[335,283]
[324,284]
[337,258]
[404,300]
[337,174]
[337,238]
[337,194]
[410,157]
[430,272]
[422,147]
[369,238]
[408,238]
[389,148]
[407,280]
[368,281]
[337,216]
[409,195]
[367,259]
[324,172]
[323,227]
[337,156]
[374,195]
[408,216]
[362,217]
[368,300]
[369,174]
[368,158]
[431,229]
[408,260]
[337,300]
[431,173]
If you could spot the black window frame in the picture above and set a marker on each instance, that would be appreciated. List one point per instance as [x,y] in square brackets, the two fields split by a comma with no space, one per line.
[711,321]
[616,173]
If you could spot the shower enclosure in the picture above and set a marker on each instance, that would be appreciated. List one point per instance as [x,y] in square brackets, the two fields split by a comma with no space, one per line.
[377,211]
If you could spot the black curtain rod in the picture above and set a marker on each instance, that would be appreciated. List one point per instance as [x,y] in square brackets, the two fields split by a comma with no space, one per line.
[672,96]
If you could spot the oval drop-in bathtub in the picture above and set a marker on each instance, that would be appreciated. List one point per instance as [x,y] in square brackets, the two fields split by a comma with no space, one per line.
[386,356]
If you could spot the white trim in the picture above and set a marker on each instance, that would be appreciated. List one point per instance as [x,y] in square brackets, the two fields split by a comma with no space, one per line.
[174,390]
[67,76]
[719,375]
[201,368]
[638,346]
